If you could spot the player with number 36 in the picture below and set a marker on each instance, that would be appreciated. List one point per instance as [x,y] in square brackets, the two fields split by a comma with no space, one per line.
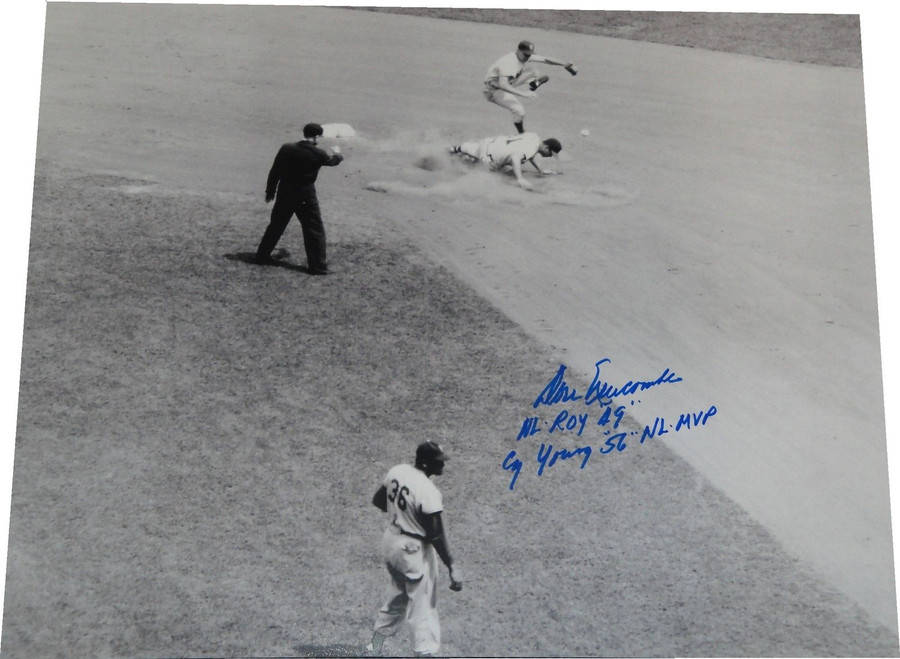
[411,545]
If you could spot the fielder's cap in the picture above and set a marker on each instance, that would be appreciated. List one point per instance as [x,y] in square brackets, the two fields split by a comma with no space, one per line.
[312,130]
[526,46]
[553,144]
[430,452]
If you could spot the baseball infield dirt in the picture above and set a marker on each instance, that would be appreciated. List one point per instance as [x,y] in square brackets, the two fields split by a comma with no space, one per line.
[199,439]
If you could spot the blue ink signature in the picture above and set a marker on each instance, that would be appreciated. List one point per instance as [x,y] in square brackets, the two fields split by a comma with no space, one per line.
[565,421]
[513,464]
[572,422]
[544,459]
[547,457]
[559,391]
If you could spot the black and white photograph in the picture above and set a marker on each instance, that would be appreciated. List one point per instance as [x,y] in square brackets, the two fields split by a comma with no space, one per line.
[344,331]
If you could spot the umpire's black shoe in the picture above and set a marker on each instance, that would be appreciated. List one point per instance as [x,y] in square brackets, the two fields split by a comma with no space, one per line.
[318,271]
[263,260]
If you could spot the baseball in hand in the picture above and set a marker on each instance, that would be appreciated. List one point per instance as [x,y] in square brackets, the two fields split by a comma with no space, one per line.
[335,149]
[455,580]
[585,132]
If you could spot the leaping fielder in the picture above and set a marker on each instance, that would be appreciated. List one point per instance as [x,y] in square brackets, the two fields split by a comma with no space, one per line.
[509,79]
[503,151]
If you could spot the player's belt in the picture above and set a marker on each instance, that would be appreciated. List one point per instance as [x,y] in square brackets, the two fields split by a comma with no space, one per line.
[410,534]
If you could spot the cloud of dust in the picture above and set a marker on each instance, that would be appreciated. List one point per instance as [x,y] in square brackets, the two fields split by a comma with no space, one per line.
[422,166]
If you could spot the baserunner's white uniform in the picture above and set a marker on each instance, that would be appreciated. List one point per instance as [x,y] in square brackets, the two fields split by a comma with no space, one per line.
[411,561]
[502,150]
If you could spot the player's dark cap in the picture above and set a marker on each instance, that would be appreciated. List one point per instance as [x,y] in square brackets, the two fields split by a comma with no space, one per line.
[526,47]
[553,144]
[430,452]
[312,130]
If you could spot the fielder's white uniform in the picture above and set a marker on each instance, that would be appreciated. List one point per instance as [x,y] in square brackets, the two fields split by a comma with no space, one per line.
[517,74]
[411,561]
[497,152]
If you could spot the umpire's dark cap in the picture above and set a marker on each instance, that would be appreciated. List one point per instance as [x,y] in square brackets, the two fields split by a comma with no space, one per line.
[312,130]
[430,452]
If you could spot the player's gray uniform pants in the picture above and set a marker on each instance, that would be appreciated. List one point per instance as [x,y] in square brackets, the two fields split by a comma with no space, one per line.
[509,101]
[411,596]
[480,150]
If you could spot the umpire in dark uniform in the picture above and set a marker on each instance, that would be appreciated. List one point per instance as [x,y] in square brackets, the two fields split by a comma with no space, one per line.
[293,175]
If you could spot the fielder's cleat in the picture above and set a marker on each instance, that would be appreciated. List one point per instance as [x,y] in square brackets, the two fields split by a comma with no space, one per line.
[455,149]
[534,84]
